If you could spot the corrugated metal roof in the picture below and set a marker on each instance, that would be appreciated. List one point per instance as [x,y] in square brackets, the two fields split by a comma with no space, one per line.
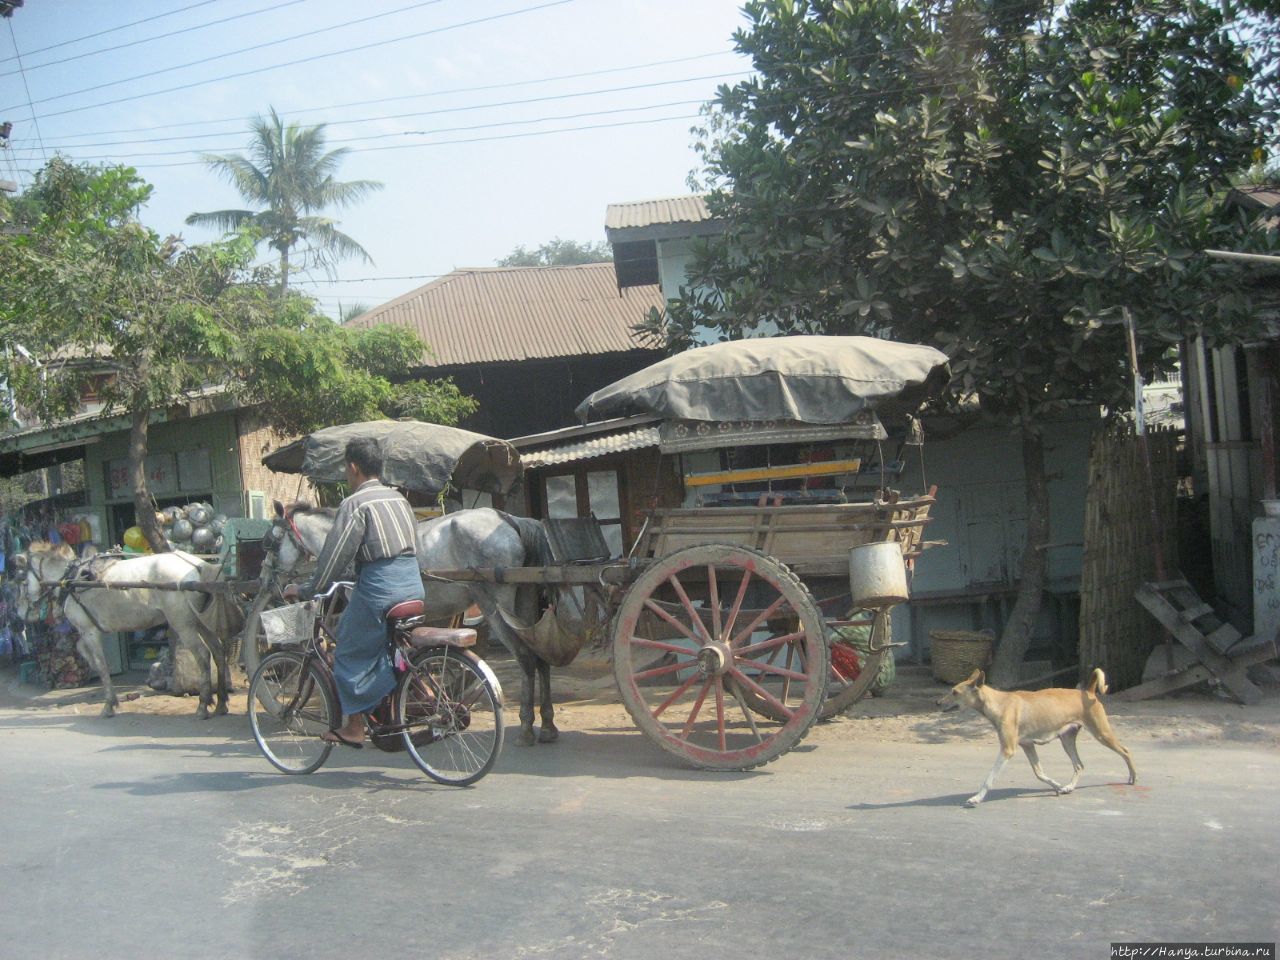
[510,314]
[1266,195]
[592,447]
[647,213]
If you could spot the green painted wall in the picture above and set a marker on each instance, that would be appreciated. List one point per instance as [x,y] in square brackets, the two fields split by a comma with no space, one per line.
[215,433]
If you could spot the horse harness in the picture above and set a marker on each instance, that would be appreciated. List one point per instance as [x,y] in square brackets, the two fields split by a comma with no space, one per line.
[80,571]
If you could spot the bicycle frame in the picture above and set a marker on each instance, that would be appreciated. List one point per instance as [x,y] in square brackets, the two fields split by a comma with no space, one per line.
[318,652]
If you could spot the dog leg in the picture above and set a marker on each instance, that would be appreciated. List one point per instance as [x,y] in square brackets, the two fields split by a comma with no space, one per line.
[1034,759]
[1100,727]
[1001,759]
[1069,745]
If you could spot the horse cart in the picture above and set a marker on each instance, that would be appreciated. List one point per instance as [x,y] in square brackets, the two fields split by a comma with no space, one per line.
[721,653]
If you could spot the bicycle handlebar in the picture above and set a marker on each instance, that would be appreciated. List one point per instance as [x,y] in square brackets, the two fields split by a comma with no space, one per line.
[333,588]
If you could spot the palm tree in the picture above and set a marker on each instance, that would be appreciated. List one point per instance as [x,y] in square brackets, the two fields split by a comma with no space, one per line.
[289,175]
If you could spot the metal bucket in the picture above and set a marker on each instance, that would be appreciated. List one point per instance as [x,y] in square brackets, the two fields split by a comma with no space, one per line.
[877,574]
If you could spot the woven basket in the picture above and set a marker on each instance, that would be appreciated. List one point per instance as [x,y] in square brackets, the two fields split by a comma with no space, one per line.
[957,653]
[290,625]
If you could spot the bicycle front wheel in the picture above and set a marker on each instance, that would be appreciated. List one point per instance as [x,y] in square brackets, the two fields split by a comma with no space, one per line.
[450,705]
[290,705]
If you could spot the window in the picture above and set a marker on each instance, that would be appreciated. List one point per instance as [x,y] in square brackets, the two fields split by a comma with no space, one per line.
[585,493]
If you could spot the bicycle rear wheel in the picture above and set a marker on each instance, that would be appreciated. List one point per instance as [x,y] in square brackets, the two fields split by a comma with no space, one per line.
[450,705]
[290,705]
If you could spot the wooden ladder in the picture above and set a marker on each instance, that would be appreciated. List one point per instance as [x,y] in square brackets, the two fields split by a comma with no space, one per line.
[1222,651]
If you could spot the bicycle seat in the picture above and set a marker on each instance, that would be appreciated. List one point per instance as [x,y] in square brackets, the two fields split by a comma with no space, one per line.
[436,636]
[406,609]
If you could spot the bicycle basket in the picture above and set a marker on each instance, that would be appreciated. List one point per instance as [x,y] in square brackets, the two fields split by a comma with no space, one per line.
[290,625]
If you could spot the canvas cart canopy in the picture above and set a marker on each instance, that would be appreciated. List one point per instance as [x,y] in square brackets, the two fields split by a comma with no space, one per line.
[805,379]
[425,457]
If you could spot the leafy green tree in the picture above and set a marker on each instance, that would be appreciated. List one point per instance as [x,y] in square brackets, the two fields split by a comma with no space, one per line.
[87,290]
[1007,180]
[289,176]
[558,253]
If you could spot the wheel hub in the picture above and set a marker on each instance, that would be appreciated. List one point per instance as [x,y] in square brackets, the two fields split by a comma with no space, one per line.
[714,659]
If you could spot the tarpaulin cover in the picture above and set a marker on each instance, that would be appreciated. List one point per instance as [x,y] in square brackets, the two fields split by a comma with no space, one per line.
[810,379]
[416,456]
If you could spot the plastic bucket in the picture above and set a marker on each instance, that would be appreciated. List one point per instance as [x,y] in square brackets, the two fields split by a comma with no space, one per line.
[877,574]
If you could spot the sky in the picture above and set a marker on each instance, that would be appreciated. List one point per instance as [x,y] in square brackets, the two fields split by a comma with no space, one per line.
[491,123]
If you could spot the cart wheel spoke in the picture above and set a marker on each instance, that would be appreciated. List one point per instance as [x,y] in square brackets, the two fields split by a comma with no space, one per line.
[767,650]
[713,594]
[761,692]
[693,712]
[668,618]
[760,618]
[700,632]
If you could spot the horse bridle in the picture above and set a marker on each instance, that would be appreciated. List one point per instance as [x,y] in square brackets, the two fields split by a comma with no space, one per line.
[288,529]
[60,590]
[49,587]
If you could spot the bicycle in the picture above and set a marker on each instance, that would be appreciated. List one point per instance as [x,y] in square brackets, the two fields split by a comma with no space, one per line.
[445,710]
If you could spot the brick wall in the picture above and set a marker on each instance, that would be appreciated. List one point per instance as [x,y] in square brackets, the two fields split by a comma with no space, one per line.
[256,439]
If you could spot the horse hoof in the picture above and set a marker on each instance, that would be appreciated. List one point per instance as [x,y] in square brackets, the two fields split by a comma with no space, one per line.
[222,711]
[548,735]
[526,738]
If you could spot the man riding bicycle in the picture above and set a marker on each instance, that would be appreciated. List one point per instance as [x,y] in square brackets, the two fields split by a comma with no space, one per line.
[375,528]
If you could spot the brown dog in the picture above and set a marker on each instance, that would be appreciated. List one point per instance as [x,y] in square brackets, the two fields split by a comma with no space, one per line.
[1025,719]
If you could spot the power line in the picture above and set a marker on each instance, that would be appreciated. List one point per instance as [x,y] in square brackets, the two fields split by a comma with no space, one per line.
[428,133]
[235,53]
[27,87]
[417,113]
[410,96]
[125,26]
[158,36]
[446,143]
[411,276]
[314,57]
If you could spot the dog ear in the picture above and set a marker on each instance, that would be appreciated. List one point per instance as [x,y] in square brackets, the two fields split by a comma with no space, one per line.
[977,678]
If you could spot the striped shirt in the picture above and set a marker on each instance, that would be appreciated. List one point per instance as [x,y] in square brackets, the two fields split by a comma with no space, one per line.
[373,523]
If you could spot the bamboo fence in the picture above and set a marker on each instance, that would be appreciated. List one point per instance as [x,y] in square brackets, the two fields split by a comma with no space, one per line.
[1120,545]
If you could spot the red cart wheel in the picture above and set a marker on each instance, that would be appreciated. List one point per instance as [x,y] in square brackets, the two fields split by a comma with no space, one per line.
[853,671]
[703,637]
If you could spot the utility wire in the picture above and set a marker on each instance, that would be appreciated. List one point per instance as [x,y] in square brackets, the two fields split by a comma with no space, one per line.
[404,116]
[158,36]
[27,87]
[125,26]
[310,59]
[409,96]
[445,143]
[425,133]
[236,53]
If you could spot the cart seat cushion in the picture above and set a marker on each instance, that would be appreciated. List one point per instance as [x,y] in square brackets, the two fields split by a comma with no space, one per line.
[405,609]
[437,636]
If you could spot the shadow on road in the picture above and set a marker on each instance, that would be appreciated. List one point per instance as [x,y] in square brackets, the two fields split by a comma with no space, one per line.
[240,781]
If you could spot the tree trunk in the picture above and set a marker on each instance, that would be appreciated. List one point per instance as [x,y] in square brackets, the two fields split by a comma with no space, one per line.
[284,271]
[1016,638]
[143,507]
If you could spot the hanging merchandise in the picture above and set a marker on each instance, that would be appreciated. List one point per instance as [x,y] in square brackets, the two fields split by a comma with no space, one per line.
[136,541]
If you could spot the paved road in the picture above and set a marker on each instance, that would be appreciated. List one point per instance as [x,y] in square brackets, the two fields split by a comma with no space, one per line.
[165,837]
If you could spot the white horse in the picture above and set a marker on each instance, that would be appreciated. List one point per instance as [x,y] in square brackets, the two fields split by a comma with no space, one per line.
[482,538]
[94,611]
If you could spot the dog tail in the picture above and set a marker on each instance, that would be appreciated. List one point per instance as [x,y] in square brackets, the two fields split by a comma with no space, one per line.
[1097,682]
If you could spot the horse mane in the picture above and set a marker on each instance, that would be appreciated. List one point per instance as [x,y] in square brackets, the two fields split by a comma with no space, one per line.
[61,550]
[302,506]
